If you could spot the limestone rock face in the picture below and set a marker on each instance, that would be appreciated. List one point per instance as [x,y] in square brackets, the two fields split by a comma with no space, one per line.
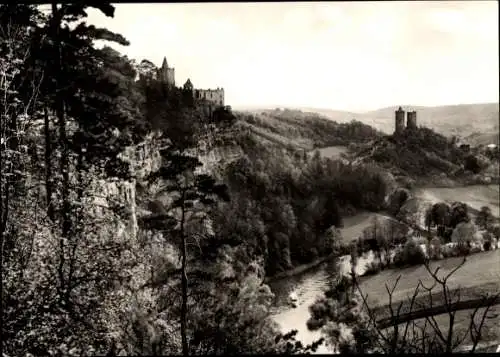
[144,158]
[214,159]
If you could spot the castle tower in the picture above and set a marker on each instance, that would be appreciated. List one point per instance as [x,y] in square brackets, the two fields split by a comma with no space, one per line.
[399,121]
[166,75]
[188,86]
[411,120]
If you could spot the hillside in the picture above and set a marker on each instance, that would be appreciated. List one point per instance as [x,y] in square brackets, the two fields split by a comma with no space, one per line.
[305,130]
[428,158]
[459,120]
[483,138]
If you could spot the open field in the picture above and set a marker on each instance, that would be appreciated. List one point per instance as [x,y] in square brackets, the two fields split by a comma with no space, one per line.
[475,196]
[354,226]
[479,270]
[333,152]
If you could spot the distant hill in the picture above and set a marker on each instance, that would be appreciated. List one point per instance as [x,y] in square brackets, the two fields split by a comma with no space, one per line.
[451,120]
[477,138]
[459,120]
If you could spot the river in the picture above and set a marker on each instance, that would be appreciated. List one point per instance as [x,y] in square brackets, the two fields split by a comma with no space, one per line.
[310,285]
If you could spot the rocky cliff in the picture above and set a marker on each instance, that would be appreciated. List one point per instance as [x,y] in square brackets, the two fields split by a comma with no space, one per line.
[143,158]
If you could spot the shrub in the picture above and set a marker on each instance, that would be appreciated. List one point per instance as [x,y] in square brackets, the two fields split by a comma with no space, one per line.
[372,268]
[487,245]
[412,254]
[463,248]
[475,248]
[397,199]
[495,230]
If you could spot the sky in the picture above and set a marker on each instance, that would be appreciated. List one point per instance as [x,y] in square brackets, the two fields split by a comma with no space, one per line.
[355,56]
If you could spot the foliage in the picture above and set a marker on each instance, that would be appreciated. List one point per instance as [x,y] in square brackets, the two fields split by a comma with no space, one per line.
[495,230]
[295,202]
[397,199]
[472,164]
[459,214]
[412,254]
[463,232]
[484,218]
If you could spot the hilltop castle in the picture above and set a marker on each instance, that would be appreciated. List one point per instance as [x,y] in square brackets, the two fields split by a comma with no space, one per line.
[208,99]
[411,121]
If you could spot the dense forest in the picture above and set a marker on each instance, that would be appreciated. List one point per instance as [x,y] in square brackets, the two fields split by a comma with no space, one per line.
[296,201]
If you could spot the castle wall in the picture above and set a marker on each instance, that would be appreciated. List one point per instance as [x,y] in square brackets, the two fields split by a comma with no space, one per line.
[215,96]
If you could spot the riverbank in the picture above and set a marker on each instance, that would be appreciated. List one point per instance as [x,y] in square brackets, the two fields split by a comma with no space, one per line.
[298,270]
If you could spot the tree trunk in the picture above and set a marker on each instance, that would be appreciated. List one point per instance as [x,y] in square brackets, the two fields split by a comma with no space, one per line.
[184,283]
[63,140]
[60,113]
[48,164]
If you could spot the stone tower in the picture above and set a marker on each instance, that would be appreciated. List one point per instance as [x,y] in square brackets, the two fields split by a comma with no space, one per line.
[411,120]
[166,75]
[188,86]
[399,121]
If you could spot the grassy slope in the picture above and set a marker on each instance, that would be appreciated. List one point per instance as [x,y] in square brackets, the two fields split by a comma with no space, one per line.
[303,130]
[480,269]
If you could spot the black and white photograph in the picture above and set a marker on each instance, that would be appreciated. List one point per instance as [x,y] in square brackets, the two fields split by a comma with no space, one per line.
[249,178]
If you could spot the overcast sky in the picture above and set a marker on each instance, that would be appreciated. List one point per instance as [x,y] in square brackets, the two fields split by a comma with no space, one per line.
[337,55]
